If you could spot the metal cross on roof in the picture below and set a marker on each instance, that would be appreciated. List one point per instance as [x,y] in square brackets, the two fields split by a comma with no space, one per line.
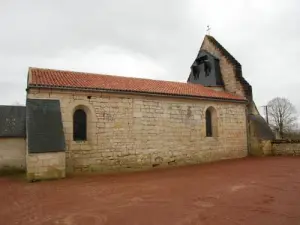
[208,30]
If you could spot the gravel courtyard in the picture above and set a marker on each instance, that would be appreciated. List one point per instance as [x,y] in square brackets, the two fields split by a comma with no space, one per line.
[245,191]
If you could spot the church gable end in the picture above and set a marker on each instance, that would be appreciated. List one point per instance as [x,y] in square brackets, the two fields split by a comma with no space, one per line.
[230,69]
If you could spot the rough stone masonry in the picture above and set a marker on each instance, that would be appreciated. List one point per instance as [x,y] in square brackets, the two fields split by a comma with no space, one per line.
[127,132]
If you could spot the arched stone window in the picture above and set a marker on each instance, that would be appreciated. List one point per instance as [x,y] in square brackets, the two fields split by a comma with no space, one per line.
[79,125]
[211,122]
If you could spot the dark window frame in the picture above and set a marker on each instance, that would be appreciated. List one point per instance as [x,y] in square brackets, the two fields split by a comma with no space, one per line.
[79,125]
[209,125]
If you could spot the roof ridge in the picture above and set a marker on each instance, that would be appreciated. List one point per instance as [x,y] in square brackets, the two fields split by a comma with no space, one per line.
[224,50]
[104,74]
[66,79]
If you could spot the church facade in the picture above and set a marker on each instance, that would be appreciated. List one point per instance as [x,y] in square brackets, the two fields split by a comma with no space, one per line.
[80,122]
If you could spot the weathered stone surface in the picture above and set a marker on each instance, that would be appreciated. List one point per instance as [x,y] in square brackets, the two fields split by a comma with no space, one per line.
[286,148]
[138,132]
[43,166]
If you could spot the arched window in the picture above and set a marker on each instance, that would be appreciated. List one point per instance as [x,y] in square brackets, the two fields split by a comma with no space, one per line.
[79,125]
[208,123]
[211,122]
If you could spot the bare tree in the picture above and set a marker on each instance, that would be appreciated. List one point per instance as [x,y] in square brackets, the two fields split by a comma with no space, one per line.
[282,115]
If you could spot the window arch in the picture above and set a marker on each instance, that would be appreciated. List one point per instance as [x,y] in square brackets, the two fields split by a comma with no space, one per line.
[211,122]
[208,123]
[79,125]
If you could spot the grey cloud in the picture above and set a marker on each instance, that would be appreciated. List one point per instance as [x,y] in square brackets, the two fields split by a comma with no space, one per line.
[262,35]
[12,93]
[46,27]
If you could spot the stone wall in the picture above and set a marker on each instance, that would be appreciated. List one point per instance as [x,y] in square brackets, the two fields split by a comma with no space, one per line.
[12,153]
[286,147]
[132,132]
[41,166]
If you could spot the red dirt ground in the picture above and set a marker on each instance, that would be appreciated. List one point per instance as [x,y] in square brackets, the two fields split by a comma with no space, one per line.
[247,191]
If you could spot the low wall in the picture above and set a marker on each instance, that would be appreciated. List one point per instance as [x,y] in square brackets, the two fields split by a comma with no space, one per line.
[12,153]
[286,147]
[42,166]
[260,135]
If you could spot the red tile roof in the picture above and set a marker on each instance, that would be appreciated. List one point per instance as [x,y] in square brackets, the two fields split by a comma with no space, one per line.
[78,80]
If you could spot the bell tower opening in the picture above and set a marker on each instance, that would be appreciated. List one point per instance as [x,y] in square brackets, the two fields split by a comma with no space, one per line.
[206,70]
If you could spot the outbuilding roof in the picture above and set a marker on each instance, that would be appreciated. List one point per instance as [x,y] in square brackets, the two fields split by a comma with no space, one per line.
[12,121]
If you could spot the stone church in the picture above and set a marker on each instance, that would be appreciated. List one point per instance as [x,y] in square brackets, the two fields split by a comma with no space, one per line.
[81,122]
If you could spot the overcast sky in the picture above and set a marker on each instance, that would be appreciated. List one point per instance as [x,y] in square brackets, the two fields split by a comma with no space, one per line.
[156,39]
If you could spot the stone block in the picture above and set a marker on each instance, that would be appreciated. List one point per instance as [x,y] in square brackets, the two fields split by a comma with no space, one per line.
[47,166]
